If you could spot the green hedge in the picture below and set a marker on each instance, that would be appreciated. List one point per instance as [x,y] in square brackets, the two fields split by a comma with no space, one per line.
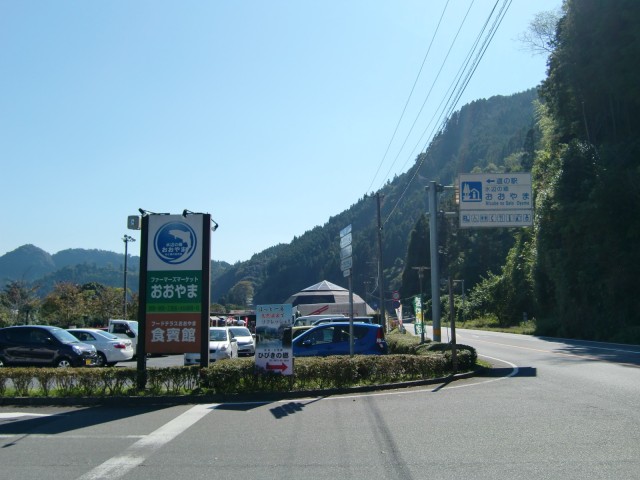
[408,361]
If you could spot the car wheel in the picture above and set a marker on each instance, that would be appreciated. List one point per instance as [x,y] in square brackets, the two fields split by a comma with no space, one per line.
[101,360]
[63,363]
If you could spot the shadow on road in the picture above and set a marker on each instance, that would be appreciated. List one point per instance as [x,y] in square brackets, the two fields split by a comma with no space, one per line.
[508,371]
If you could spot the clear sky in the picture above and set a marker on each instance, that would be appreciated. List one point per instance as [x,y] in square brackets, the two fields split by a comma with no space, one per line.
[272,116]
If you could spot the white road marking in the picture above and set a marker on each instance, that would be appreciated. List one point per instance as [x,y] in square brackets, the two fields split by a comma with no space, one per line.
[137,453]
[15,415]
[57,436]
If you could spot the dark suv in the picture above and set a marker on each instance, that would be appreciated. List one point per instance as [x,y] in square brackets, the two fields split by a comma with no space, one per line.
[41,345]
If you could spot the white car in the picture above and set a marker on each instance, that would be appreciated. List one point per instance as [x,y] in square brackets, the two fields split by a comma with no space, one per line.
[111,349]
[246,342]
[222,345]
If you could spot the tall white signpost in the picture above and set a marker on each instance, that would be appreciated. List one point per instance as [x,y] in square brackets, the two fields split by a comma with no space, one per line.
[346,265]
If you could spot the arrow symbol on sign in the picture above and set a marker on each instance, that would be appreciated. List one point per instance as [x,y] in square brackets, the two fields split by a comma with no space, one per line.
[282,367]
[490,180]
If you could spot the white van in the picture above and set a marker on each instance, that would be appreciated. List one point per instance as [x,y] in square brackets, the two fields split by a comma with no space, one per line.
[125,329]
[307,320]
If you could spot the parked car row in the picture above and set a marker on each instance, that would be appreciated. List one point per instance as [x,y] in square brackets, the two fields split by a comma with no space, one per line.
[41,345]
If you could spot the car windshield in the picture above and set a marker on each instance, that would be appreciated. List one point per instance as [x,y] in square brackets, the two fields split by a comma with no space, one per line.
[63,335]
[240,331]
[217,335]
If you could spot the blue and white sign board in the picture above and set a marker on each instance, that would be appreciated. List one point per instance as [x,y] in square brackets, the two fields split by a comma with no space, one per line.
[496,200]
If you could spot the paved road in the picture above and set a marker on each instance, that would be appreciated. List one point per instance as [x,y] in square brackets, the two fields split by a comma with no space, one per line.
[551,410]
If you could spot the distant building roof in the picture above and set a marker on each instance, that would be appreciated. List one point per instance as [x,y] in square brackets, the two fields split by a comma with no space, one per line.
[324,286]
[324,292]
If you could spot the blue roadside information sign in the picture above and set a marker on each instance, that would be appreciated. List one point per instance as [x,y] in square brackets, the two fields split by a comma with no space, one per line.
[496,200]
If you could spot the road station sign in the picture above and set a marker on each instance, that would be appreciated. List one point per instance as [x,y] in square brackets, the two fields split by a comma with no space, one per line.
[345,241]
[496,200]
[346,263]
[345,231]
[346,250]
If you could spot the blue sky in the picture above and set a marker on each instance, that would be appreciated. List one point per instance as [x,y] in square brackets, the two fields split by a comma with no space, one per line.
[272,116]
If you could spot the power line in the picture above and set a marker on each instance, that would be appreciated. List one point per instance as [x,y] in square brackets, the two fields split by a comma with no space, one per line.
[424,60]
[460,84]
[433,84]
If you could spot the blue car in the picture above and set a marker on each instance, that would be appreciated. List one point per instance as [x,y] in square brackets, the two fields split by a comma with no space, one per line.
[333,339]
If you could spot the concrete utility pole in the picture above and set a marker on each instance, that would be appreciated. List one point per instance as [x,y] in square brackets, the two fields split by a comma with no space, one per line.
[383,314]
[434,188]
[435,264]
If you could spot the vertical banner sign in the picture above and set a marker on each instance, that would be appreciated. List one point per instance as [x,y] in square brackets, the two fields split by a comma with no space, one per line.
[417,308]
[177,287]
[273,348]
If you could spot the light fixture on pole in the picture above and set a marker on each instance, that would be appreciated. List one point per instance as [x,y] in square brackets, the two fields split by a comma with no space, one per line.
[186,212]
[126,239]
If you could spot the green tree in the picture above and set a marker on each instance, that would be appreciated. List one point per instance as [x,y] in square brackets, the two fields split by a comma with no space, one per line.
[418,256]
[65,305]
[242,293]
[20,302]
[102,303]
[587,226]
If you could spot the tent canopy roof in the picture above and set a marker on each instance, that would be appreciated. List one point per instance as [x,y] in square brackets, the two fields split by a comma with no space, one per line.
[323,292]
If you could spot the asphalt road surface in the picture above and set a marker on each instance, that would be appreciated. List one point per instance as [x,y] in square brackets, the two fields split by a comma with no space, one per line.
[550,409]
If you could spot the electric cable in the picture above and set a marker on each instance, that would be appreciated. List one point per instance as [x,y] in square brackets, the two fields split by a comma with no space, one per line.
[409,98]
[455,95]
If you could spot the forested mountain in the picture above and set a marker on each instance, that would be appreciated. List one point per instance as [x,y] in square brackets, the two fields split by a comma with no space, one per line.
[40,269]
[485,134]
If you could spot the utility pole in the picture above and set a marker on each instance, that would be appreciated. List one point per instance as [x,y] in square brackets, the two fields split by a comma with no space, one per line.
[383,314]
[434,188]
[435,264]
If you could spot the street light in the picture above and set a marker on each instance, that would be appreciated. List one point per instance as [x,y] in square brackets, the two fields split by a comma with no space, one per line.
[126,239]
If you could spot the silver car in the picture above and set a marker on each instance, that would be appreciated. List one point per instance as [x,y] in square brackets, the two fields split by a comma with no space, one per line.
[222,346]
[111,349]
[246,341]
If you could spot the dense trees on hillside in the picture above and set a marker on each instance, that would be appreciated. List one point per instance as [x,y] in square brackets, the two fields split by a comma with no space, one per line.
[577,270]
[588,222]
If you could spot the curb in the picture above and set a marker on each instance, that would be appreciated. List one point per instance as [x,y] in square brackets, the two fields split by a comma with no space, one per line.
[260,397]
